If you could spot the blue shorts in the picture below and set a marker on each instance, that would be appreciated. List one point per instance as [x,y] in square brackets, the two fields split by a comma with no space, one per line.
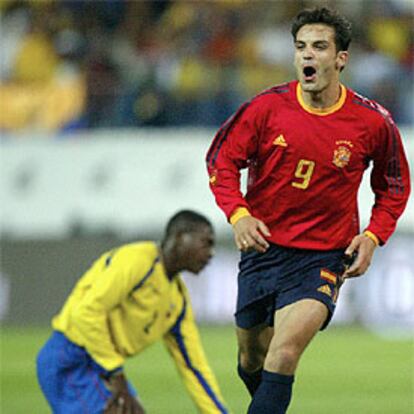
[281,276]
[70,379]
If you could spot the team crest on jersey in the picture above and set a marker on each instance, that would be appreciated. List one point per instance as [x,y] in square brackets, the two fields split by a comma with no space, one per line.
[342,156]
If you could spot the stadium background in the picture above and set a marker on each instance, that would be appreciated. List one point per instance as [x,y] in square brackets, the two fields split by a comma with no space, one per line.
[106,111]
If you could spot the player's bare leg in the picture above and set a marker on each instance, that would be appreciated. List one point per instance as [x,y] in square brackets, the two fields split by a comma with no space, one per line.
[295,326]
[253,346]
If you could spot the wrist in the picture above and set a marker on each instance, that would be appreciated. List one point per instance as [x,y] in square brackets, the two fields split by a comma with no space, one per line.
[113,373]
[239,213]
[119,383]
[372,237]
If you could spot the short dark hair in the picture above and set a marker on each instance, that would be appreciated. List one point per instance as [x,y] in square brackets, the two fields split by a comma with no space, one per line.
[323,15]
[186,221]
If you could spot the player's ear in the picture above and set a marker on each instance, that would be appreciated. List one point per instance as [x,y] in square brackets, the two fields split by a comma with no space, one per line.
[342,59]
[182,238]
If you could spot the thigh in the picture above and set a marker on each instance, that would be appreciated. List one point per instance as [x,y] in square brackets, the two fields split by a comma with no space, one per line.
[70,380]
[296,325]
[256,337]
[257,283]
[319,278]
[46,369]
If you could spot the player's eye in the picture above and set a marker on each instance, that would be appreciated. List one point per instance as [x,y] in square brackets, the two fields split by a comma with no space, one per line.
[321,46]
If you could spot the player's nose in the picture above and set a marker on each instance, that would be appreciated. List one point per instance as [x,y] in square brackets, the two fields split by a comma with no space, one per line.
[307,54]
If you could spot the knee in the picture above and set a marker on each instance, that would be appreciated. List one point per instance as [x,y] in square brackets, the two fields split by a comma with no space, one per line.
[284,360]
[251,358]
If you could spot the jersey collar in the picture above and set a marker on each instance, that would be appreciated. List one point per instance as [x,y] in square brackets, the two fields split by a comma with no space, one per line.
[321,111]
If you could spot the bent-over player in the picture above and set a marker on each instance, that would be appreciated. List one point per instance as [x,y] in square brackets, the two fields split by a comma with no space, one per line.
[131,297]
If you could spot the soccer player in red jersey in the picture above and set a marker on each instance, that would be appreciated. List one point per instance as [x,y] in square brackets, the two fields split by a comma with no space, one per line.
[306,145]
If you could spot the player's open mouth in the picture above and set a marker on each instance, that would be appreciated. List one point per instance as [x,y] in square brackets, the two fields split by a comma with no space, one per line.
[309,73]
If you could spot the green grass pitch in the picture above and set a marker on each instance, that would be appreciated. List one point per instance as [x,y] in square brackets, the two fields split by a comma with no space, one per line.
[344,371]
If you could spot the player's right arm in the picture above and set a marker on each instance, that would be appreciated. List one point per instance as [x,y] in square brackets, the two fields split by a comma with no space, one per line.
[249,231]
[122,402]
[234,145]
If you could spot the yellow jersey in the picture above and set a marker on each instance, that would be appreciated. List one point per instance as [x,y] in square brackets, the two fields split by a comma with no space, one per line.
[124,303]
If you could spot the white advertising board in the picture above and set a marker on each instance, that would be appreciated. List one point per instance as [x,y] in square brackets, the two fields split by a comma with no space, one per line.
[128,182]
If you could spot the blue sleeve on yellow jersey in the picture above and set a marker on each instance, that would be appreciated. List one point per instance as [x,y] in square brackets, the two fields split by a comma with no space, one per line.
[184,344]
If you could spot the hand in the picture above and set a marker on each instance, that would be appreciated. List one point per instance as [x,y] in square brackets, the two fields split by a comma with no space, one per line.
[248,234]
[118,406]
[121,402]
[364,247]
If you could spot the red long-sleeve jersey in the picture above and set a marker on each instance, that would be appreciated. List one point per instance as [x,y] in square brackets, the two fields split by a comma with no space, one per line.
[305,167]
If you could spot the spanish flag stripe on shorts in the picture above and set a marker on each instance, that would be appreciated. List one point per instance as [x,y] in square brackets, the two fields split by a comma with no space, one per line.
[328,276]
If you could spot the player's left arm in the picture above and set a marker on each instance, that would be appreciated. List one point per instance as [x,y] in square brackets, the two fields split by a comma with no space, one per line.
[360,253]
[184,345]
[390,182]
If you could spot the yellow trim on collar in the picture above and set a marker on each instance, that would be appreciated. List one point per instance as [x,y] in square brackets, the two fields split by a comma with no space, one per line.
[321,111]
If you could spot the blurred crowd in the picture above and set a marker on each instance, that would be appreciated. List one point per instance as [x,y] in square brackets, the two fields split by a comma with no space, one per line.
[70,65]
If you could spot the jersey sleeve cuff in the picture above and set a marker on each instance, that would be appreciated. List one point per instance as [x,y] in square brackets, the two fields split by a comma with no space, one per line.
[238,214]
[372,236]
[110,373]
